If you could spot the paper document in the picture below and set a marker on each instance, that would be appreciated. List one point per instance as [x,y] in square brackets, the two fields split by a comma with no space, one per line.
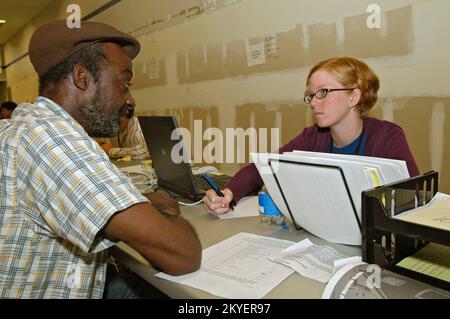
[313,261]
[435,214]
[388,170]
[246,207]
[432,260]
[238,267]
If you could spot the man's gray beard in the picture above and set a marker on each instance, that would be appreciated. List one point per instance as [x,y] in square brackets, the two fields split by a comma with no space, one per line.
[97,122]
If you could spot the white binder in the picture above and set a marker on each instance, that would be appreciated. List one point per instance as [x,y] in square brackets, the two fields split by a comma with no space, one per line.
[322,194]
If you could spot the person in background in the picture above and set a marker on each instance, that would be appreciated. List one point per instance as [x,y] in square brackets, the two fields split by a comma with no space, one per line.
[130,140]
[6,109]
[340,91]
[63,203]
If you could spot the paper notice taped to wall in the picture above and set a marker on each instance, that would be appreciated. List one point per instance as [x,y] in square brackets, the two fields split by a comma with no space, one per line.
[256,54]
[153,69]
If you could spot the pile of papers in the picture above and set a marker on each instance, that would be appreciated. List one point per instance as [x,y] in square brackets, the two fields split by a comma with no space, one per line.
[250,266]
[238,267]
[313,261]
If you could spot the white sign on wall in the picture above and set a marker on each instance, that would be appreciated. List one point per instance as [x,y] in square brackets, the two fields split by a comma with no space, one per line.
[256,54]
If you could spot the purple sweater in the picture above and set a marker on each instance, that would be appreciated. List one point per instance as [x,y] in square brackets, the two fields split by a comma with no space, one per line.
[383,139]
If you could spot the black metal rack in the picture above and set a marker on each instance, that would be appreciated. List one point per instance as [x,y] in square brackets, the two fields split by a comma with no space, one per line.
[386,240]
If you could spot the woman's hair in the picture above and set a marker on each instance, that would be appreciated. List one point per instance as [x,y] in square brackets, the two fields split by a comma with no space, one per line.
[352,73]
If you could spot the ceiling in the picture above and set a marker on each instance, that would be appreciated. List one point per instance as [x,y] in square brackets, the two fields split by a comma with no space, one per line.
[17,14]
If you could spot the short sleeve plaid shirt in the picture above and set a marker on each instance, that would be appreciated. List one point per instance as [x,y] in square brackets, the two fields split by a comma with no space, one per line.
[131,142]
[58,189]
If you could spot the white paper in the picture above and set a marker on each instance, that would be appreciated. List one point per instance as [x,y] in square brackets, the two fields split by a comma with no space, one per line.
[322,203]
[153,69]
[435,213]
[256,54]
[312,261]
[246,207]
[238,267]
[437,198]
[392,170]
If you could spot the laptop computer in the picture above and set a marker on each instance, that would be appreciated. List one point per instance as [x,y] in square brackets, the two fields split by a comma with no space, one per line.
[176,177]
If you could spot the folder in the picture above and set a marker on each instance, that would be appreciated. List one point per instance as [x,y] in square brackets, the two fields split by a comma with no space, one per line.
[321,192]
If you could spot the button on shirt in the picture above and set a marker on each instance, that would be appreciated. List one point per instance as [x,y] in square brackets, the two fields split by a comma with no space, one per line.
[58,190]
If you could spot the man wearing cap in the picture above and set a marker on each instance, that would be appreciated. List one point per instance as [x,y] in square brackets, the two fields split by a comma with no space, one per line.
[62,202]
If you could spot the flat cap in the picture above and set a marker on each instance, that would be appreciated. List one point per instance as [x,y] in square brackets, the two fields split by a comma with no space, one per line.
[53,42]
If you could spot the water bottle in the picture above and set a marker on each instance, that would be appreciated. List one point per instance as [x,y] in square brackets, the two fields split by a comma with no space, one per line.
[268,211]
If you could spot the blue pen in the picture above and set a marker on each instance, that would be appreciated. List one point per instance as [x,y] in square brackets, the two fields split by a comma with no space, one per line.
[216,189]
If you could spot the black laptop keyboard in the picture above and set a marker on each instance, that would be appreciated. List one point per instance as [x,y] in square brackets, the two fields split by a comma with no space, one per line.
[219,180]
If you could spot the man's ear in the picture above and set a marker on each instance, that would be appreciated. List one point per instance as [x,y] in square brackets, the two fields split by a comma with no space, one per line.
[355,97]
[81,76]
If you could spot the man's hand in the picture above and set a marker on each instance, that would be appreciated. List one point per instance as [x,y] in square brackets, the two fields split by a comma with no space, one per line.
[164,204]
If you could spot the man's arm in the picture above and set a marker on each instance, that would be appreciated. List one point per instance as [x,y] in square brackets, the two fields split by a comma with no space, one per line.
[168,243]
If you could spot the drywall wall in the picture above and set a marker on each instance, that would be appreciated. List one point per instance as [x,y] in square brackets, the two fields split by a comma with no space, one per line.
[243,63]
[2,61]
[22,80]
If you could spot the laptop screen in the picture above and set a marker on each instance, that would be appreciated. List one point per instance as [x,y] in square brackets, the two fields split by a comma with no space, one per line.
[175,177]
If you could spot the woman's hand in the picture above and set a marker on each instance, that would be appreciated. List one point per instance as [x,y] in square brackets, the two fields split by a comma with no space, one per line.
[218,205]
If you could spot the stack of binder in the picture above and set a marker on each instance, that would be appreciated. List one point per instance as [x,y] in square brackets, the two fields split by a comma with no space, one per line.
[321,192]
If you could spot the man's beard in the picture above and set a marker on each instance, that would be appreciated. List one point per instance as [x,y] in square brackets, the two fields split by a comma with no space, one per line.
[97,122]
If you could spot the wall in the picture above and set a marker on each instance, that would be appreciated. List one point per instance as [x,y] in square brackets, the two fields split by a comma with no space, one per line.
[194,63]
[22,79]
[2,77]
[2,61]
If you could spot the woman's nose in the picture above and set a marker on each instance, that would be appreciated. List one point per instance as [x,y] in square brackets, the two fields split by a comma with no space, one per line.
[314,102]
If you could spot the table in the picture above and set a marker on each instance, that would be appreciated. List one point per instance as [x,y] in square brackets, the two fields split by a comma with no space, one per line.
[212,230]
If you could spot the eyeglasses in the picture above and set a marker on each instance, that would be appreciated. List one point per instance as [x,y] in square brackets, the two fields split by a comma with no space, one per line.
[127,111]
[320,94]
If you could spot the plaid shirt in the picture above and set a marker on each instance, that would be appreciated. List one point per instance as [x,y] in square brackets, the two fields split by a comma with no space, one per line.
[131,142]
[58,189]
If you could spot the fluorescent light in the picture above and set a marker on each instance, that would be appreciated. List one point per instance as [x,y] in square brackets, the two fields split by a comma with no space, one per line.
[2,21]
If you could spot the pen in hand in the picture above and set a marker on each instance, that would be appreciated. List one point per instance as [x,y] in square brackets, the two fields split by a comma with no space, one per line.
[216,189]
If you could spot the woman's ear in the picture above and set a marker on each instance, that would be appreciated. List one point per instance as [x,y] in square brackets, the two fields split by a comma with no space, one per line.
[355,97]
[81,76]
